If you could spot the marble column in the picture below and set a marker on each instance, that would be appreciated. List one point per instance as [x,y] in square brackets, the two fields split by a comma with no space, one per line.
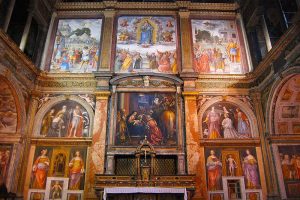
[96,153]
[186,42]
[270,174]
[107,40]
[195,153]
[26,31]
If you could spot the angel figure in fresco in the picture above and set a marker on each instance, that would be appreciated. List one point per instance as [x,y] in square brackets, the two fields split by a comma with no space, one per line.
[250,169]
[232,165]
[213,123]
[76,125]
[214,171]
[40,169]
[76,166]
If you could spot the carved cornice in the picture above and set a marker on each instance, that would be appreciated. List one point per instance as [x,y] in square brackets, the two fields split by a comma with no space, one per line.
[230,142]
[62,141]
[146,5]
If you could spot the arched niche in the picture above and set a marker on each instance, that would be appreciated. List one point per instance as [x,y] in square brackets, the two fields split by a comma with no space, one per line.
[284,116]
[70,102]
[231,105]
[13,108]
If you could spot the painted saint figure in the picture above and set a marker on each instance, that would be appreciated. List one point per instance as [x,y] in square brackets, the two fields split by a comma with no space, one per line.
[154,131]
[242,123]
[57,127]
[76,166]
[146,33]
[286,167]
[47,121]
[214,171]
[251,171]
[40,169]
[75,127]
[213,122]
[229,130]
[232,165]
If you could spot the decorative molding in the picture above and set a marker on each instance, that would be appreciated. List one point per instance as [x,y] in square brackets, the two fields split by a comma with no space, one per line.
[231,142]
[61,141]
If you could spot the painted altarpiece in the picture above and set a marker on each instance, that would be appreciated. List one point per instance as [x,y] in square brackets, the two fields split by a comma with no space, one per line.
[75,46]
[218,47]
[146,114]
[146,44]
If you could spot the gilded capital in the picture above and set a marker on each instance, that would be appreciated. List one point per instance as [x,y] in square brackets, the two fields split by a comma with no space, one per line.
[102,95]
[190,95]
[184,14]
[109,13]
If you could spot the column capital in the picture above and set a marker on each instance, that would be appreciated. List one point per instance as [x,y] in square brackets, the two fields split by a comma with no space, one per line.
[109,13]
[184,14]
[102,95]
[191,95]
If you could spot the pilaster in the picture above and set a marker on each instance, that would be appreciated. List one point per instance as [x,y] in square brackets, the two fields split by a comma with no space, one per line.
[107,40]
[270,174]
[195,153]
[96,155]
[186,45]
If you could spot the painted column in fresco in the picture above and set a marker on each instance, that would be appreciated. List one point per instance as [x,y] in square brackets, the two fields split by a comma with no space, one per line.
[181,158]
[107,40]
[270,178]
[195,154]
[186,49]
[97,151]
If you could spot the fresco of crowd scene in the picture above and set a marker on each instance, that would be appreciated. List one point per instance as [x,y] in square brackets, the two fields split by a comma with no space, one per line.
[76,46]
[146,44]
[223,120]
[66,119]
[151,115]
[217,48]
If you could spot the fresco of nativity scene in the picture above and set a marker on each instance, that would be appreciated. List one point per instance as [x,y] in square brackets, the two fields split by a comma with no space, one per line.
[217,47]
[76,46]
[66,119]
[151,115]
[223,120]
[146,44]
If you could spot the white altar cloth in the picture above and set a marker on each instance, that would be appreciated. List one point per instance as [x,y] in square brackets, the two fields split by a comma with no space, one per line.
[154,190]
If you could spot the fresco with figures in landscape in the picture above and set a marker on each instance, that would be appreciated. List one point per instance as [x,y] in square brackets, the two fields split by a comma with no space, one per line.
[65,119]
[8,111]
[217,47]
[225,120]
[289,157]
[146,44]
[66,162]
[232,164]
[76,46]
[146,114]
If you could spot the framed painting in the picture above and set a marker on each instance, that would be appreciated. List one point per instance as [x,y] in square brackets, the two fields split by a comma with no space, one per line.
[146,114]
[218,47]
[76,46]
[146,44]
[34,194]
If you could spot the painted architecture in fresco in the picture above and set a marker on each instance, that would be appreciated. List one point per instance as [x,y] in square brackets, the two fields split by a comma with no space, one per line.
[218,47]
[146,44]
[66,119]
[287,112]
[289,157]
[8,111]
[76,46]
[146,114]
[225,120]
